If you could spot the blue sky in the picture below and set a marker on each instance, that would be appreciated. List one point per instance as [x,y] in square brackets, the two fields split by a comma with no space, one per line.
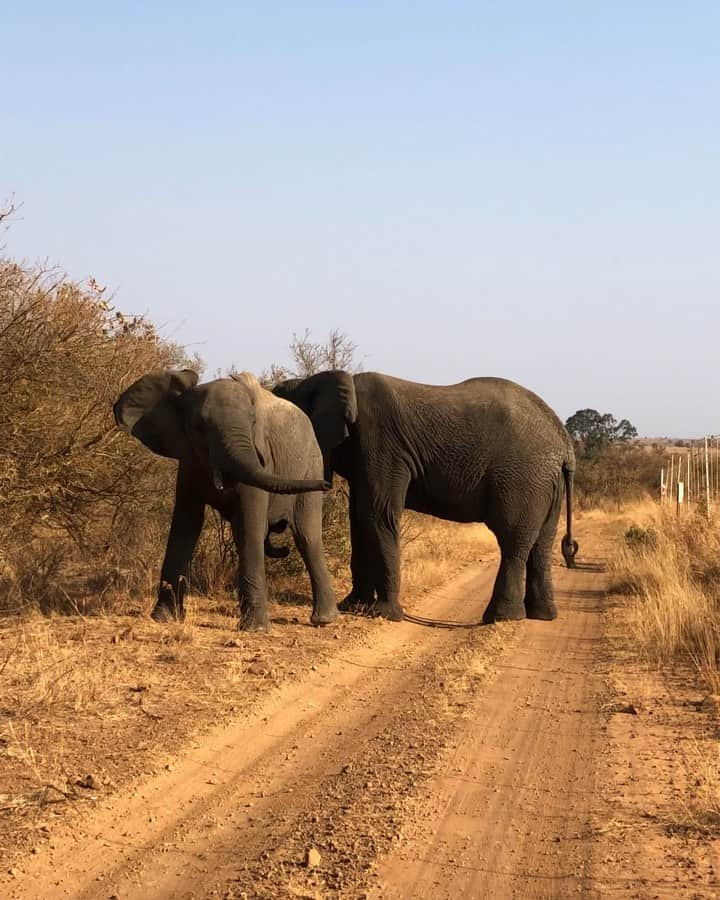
[524,189]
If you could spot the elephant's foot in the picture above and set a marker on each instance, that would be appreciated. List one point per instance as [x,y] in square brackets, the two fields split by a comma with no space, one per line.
[325,616]
[170,606]
[387,610]
[369,606]
[503,611]
[167,612]
[541,609]
[253,620]
[357,602]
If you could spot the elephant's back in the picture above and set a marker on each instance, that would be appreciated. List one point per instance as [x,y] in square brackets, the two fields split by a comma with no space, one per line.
[500,411]
[294,447]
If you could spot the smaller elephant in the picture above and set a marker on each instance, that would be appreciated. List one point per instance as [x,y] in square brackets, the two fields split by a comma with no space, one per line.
[251,456]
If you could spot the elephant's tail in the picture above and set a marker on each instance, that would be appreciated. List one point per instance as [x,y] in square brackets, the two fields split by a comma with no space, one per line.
[569,546]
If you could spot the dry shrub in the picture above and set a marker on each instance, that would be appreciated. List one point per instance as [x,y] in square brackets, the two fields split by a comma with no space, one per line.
[619,475]
[81,507]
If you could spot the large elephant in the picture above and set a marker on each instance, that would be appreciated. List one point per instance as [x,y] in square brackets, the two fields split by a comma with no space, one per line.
[248,454]
[485,450]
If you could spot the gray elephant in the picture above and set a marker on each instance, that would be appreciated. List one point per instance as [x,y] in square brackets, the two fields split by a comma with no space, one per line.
[250,455]
[485,450]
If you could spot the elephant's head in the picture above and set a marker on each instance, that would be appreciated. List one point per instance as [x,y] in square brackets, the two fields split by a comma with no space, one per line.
[220,425]
[328,398]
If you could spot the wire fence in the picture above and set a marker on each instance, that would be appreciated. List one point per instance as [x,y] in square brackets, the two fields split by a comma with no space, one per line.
[691,476]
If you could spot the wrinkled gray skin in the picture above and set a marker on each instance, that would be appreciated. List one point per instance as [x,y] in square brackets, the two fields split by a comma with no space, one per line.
[485,450]
[251,456]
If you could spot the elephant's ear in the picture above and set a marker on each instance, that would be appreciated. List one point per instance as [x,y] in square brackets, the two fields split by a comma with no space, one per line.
[147,410]
[328,398]
[333,408]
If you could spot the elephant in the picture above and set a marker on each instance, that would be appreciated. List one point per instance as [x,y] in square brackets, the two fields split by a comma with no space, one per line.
[248,454]
[485,450]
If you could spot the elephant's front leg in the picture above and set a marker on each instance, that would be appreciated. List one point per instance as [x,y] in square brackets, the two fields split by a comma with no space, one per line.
[249,524]
[187,523]
[380,512]
[307,530]
[362,561]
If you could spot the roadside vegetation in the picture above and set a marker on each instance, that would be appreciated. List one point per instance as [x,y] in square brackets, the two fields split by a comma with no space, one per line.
[666,572]
[612,471]
[670,566]
[664,596]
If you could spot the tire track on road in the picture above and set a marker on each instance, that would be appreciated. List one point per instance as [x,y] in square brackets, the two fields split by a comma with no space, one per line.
[236,813]
[511,814]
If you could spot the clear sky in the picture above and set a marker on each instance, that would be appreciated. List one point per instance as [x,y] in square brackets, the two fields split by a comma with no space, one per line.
[523,189]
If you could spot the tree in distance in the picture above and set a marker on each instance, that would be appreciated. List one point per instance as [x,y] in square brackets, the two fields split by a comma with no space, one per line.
[592,432]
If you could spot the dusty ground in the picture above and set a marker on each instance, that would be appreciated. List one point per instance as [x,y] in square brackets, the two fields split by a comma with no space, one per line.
[376,759]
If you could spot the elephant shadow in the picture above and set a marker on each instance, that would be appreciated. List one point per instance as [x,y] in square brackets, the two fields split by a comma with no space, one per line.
[589,567]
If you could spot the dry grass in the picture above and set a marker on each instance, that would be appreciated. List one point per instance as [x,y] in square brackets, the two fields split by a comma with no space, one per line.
[433,550]
[115,695]
[668,571]
[700,810]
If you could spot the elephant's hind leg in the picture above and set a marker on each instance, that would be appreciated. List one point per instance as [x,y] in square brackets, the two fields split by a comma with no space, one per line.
[539,602]
[506,602]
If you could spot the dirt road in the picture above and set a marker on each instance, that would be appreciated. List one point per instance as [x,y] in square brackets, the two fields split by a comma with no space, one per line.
[422,762]
[510,814]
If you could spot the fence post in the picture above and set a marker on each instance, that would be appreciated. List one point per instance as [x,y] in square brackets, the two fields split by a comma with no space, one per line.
[707,478]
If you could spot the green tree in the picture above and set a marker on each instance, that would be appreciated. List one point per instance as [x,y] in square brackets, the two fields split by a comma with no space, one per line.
[592,431]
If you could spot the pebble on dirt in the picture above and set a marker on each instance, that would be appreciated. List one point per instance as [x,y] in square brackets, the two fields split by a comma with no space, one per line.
[90,782]
[312,858]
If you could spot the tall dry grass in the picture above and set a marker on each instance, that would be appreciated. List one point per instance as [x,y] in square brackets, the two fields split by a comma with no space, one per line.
[433,550]
[669,568]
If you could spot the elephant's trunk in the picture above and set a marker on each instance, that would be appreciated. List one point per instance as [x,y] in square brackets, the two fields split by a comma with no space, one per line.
[238,460]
